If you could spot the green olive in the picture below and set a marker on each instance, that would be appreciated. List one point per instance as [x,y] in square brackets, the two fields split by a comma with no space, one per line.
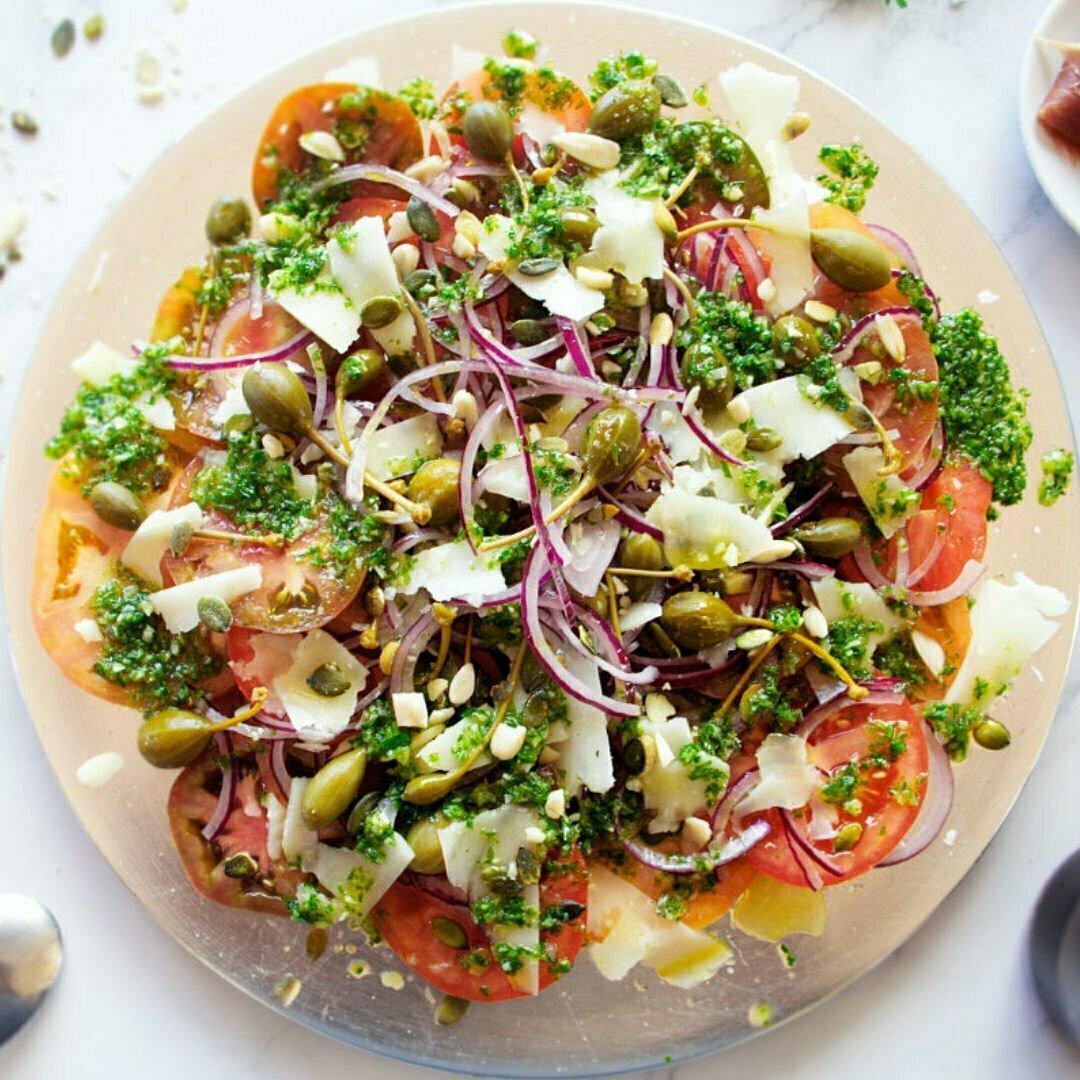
[671,92]
[488,130]
[829,538]
[705,365]
[578,224]
[641,552]
[421,282]
[631,108]
[117,506]
[277,398]
[329,680]
[358,371]
[745,184]
[423,220]
[763,439]
[332,790]
[991,734]
[450,1010]
[634,757]
[538,267]
[529,331]
[449,932]
[380,311]
[795,341]
[423,838]
[425,790]
[698,620]
[214,614]
[612,439]
[174,738]
[849,259]
[435,485]
[228,219]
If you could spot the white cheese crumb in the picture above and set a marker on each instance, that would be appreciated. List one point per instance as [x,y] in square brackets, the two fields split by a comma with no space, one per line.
[767,291]
[696,831]
[950,838]
[410,710]
[658,708]
[100,769]
[12,223]
[534,835]
[88,630]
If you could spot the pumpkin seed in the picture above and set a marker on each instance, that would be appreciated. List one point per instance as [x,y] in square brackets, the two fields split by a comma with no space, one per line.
[423,220]
[671,92]
[380,311]
[63,37]
[214,614]
[538,267]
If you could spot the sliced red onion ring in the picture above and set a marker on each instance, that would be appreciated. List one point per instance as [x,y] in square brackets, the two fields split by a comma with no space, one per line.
[932,556]
[279,767]
[968,578]
[438,886]
[578,350]
[409,652]
[930,294]
[934,812]
[932,464]
[286,351]
[820,859]
[802,512]
[628,516]
[383,174]
[818,715]
[703,861]
[749,261]
[229,781]
[899,245]
[376,691]
[708,441]
[864,560]
[845,348]
[812,571]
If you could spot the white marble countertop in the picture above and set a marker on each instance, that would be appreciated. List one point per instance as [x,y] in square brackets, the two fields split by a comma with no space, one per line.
[957,1000]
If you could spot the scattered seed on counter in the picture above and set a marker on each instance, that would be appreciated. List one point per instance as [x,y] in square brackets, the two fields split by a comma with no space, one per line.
[94,26]
[24,123]
[63,37]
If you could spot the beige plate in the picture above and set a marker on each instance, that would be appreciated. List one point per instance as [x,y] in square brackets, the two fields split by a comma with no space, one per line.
[585,1025]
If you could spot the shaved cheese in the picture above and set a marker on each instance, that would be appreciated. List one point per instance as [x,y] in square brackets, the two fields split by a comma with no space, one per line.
[628,241]
[586,755]
[393,451]
[453,572]
[705,533]
[271,656]
[788,780]
[178,606]
[637,615]
[151,540]
[890,501]
[1009,624]
[314,716]
[357,881]
[464,61]
[930,652]
[838,599]
[360,71]
[88,630]
[506,477]
[496,836]
[785,245]
[100,363]
[364,269]
[541,126]
[808,428]
[668,422]
[297,840]
[158,413]
[627,931]
[275,826]
[445,752]
[771,909]
[558,290]
[322,307]
[233,402]
[667,787]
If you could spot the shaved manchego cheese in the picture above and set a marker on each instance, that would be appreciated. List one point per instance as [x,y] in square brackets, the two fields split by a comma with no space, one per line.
[771,909]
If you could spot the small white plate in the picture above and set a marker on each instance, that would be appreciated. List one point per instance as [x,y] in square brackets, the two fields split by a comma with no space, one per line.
[1057,169]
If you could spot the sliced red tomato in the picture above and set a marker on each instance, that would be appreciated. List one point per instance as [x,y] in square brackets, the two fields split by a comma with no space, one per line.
[405,914]
[296,594]
[553,94]
[372,126]
[369,206]
[888,792]
[192,802]
[949,625]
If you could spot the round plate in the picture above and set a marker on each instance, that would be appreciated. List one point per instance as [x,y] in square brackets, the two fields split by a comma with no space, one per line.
[585,1025]
[1056,167]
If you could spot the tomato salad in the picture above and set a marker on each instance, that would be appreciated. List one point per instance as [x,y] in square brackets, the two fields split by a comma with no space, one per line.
[548,521]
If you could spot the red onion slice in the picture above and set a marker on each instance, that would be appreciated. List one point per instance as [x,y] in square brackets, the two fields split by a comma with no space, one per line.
[703,861]
[820,859]
[899,245]
[845,348]
[818,715]
[802,512]
[279,767]
[920,571]
[286,351]
[409,652]
[968,578]
[227,793]
[383,174]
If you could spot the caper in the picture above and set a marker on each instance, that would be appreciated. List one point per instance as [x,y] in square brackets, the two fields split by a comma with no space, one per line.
[173,738]
[488,130]
[358,371]
[380,311]
[228,219]
[671,92]
[449,932]
[423,220]
[763,439]
[421,282]
[847,837]
[529,331]
[329,680]
[538,267]
[795,341]
[277,398]
[849,259]
[705,365]
[423,838]
[631,108]
[332,789]
[498,880]
[611,443]
[578,224]
[450,1010]
[435,485]
[425,790]
[991,734]
[828,538]
[640,552]
[117,506]
[697,619]
[633,757]
[241,865]
[214,614]
[528,866]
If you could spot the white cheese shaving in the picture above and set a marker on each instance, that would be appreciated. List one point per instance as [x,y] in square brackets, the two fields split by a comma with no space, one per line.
[297,840]
[150,540]
[392,451]
[787,780]
[506,477]
[360,71]
[628,241]
[1009,624]
[178,606]
[666,420]
[410,710]
[233,402]
[100,769]
[438,755]
[586,756]
[275,826]
[706,533]
[930,652]
[541,126]
[886,497]
[358,882]
[637,615]
[314,716]
[100,363]
[453,572]
[322,307]
[157,412]
[786,242]
[838,599]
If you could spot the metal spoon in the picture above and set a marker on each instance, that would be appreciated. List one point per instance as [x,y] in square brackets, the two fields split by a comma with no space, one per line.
[30,956]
